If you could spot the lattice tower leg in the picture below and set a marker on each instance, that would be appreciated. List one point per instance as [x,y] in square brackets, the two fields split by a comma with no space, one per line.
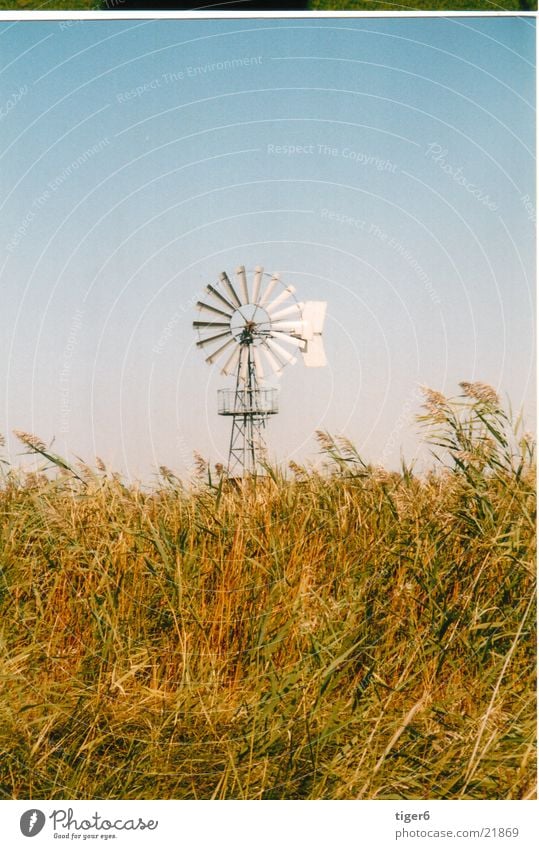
[247,450]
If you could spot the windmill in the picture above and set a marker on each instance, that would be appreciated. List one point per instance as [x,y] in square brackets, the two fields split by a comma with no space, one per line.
[255,331]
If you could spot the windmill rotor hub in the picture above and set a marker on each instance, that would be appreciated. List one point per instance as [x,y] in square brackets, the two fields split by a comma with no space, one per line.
[251,319]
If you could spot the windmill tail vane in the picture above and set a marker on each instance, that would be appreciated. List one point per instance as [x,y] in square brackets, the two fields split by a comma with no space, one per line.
[254,331]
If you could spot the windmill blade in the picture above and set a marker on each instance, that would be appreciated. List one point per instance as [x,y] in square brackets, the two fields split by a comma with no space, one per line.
[285,294]
[280,351]
[269,289]
[286,311]
[275,365]
[284,326]
[242,280]
[211,324]
[202,306]
[203,342]
[290,340]
[221,298]
[232,362]
[225,280]
[257,280]
[219,351]
[259,368]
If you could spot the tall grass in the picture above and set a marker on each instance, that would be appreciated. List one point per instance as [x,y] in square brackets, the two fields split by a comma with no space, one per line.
[397,6]
[49,5]
[347,633]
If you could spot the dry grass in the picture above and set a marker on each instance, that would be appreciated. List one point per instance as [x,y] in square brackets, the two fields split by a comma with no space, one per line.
[347,634]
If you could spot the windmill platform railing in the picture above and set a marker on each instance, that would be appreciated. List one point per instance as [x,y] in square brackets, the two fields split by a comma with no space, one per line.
[237,402]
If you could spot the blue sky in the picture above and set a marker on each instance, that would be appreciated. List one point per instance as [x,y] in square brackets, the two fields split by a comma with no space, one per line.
[383,165]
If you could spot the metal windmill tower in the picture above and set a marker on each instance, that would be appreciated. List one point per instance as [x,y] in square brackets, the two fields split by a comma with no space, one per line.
[258,328]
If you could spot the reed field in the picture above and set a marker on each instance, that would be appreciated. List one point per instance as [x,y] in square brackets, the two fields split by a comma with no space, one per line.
[335,632]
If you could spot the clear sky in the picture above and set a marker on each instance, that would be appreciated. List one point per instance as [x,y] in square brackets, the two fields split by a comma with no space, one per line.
[383,165]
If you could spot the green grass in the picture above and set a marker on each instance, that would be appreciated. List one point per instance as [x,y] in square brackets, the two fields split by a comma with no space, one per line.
[346,633]
[56,5]
[424,5]
[355,5]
